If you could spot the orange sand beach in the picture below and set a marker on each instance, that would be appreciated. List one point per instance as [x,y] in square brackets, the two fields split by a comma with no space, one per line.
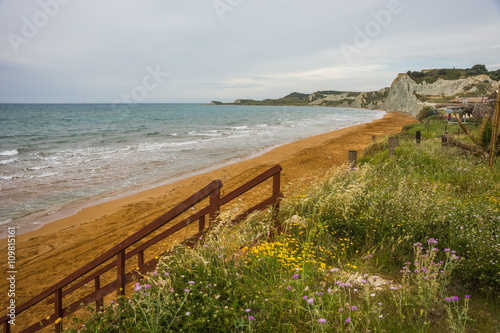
[46,255]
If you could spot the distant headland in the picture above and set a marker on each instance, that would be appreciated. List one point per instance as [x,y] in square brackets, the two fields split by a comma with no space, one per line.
[408,93]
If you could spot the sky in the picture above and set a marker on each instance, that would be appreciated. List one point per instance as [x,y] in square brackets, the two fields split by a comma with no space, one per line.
[196,51]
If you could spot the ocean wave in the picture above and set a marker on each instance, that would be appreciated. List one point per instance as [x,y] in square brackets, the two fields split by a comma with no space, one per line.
[11,152]
[10,160]
[4,222]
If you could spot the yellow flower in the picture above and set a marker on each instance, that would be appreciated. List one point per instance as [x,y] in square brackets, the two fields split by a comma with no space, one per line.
[58,320]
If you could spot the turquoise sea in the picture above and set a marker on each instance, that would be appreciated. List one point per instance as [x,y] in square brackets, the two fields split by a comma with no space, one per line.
[57,155]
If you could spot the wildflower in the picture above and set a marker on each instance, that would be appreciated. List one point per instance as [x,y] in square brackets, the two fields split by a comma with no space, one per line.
[321,320]
[146,287]
[289,287]
[329,291]
[137,287]
[379,304]
[348,320]
[58,320]
[306,288]
[187,290]
[455,298]
[467,296]
[354,308]
[250,318]
[305,297]
[248,310]
[372,295]
[363,281]
[310,301]
[392,288]
[446,250]
[381,316]
[188,313]
[295,276]
[447,299]
[191,282]
[334,270]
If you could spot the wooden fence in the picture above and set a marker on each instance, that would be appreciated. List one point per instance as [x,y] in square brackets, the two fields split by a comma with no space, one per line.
[124,251]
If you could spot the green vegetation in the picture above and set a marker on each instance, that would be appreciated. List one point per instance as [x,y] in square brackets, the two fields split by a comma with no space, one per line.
[432,75]
[404,243]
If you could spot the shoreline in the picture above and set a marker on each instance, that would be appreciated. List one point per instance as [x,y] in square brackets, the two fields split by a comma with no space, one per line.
[85,212]
[39,220]
[50,253]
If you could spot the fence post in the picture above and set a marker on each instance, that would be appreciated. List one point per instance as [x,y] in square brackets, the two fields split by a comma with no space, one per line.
[6,326]
[352,157]
[393,143]
[418,137]
[98,302]
[201,224]
[120,273]
[214,204]
[58,310]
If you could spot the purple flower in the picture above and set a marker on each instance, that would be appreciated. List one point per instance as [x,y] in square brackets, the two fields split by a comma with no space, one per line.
[310,301]
[454,298]
[321,320]
[432,241]
[354,308]
[147,286]
[348,320]
[363,281]
[305,297]
[191,282]
[250,318]
[289,287]
[295,276]
[446,250]
[137,287]
[334,270]
[467,296]
[447,299]
[187,290]
[248,310]
[188,313]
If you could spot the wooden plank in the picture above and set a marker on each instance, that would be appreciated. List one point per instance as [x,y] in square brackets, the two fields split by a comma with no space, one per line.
[250,184]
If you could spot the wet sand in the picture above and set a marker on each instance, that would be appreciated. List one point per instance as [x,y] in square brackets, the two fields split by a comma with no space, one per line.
[46,255]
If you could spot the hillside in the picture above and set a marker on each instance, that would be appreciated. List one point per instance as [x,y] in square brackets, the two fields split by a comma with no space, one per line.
[409,92]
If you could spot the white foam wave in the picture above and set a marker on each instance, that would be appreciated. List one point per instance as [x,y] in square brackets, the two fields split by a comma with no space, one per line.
[9,152]
[10,160]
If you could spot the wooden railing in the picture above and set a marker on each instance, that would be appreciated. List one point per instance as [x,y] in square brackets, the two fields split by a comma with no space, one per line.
[123,251]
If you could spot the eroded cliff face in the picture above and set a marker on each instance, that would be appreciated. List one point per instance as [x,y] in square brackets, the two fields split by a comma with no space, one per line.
[404,92]
[401,96]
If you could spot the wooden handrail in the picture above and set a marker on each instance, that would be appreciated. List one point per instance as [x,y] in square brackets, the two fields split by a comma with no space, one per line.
[119,251]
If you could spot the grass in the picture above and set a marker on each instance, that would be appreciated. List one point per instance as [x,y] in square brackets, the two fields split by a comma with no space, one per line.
[404,243]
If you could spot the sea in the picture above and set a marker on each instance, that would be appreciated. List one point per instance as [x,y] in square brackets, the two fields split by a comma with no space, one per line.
[56,156]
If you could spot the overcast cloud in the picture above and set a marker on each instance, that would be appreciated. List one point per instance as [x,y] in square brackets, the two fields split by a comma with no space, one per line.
[77,51]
